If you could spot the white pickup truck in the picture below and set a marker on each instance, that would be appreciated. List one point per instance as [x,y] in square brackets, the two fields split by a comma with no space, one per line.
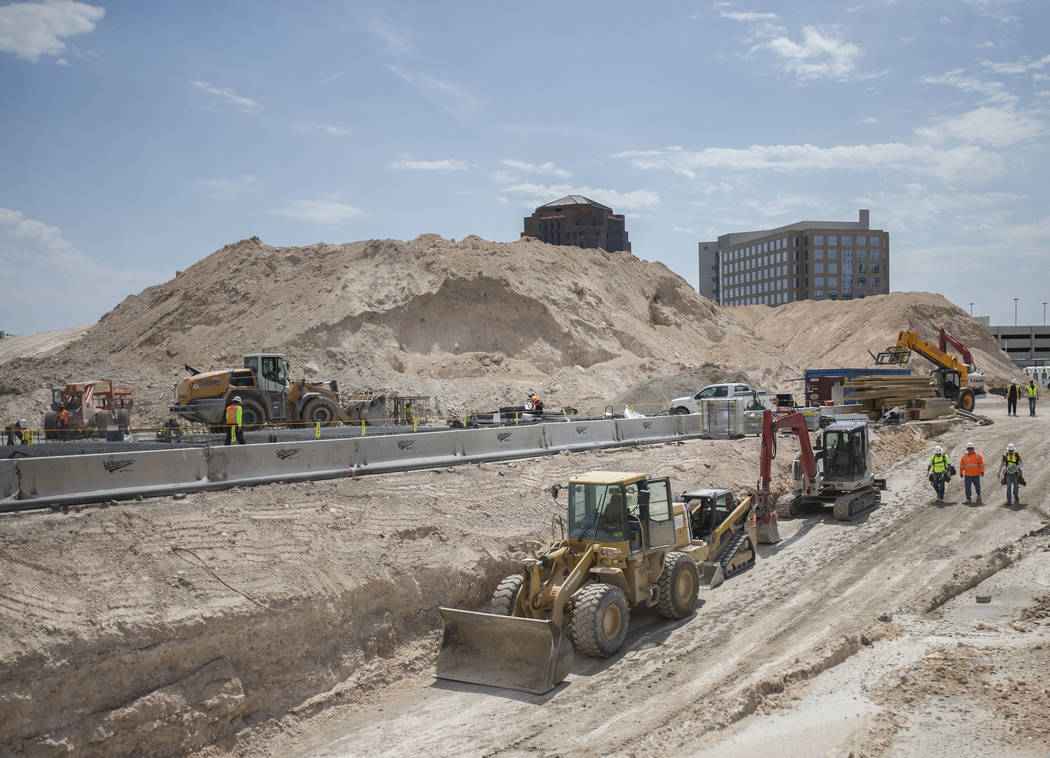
[683,405]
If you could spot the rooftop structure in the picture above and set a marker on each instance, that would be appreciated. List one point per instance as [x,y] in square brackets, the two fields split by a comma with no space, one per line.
[580,222]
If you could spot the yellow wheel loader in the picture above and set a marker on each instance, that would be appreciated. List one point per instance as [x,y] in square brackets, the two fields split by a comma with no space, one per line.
[269,396]
[628,546]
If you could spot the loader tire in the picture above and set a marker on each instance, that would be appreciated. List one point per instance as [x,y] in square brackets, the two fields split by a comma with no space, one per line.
[599,620]
[506,595]
[252,416]
[678,586]
[319,411]
[102,420]
[51,431]
[124,421]
[966,401]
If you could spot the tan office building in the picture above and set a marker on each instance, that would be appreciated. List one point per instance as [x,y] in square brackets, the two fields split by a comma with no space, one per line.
[816,260]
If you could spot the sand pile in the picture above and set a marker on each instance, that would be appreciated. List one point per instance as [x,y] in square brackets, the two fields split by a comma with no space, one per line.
[474,324]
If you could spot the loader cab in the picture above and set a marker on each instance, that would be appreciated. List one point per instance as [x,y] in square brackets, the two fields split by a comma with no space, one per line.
[271,372]
[845,453]
[613,507]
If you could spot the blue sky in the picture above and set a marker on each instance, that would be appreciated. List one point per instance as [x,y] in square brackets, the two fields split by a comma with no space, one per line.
[138,137]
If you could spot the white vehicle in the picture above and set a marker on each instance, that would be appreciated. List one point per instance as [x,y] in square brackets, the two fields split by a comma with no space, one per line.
[683,405]
[1041,374]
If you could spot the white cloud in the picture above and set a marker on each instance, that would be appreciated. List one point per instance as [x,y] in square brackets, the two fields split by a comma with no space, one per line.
[227,96]
[999,126]
[396,40]
[222,189]
[62,62]
[684,229]
[537,194]
[1022,66]
[37,263]
[748,16]
[819,56]
[543,168]
[963,164]
[869,120]
[308,128]
[448,96]
[782,204]
[993,92]
[329,212]
[30,30]
[410,164]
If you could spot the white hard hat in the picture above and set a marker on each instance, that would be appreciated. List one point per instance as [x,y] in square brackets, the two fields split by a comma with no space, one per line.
[938,449]
[969,444]
[236,398]
[1011,446]
[1013,381]
[23,423]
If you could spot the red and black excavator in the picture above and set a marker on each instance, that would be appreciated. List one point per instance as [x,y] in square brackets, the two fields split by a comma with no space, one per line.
[838,473]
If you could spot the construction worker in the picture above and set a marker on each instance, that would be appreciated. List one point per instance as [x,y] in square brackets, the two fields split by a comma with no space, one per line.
[937,471]
[410,413]
[1012,393]
[234,413]
[16,430]
[1033,393]
[1010,466]
[63,420]
[971,469]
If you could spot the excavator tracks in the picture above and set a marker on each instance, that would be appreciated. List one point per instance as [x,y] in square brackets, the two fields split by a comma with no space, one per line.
[786,505]
[849,505]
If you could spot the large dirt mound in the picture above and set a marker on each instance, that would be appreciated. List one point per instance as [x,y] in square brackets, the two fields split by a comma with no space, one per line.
[472,323]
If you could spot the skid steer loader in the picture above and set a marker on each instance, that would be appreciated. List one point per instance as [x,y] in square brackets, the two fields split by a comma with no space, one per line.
[628,546]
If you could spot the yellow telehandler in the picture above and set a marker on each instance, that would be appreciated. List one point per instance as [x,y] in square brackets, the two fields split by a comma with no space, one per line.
[629,545]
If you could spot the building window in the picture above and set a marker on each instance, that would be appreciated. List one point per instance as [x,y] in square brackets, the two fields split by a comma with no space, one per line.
[833,268]
[832,240]
[874,268]
[862,254]
[818,239]
[818,253]
[818,281]
[847,239]
[818,295]
[862,281]
[832,295]
[833,282]
[818,268]
[862,240]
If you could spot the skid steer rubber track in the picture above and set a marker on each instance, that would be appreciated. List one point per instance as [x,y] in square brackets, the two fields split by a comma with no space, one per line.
[729,554]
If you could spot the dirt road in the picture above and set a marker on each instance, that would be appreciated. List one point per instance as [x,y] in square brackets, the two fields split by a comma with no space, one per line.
[856,638]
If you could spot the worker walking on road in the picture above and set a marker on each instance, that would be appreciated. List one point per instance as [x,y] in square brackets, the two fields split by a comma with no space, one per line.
[971,469]
[1012,393]
[1033,393]
[234,414]
[937,471]
[16,430]
[1010,466]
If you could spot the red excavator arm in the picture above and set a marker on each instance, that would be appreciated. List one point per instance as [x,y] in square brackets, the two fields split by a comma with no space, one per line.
[796,422]
[948,339]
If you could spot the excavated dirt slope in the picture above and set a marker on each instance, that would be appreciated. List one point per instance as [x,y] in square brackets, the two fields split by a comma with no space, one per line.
[472,323]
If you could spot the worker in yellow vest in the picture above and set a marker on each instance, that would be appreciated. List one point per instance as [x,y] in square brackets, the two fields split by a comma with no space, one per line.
[1033,393]
[937,470]
[1010,469]
[234,413]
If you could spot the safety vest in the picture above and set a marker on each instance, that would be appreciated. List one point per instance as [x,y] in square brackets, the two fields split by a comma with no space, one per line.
[233,414]
[939,462]
[1011,459]
[63,416]
[972,464]
[1033,390]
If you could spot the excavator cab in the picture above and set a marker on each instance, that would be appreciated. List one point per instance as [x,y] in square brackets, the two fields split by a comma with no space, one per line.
[845,453]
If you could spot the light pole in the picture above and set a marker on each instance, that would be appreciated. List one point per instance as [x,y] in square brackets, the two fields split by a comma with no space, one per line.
[1044,313]
[971,309]
[1015,310]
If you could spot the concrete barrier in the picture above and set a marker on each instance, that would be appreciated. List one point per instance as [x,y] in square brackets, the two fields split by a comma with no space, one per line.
[502,443]
[690,425]
[8,479]
[581,435]
[281,461]
[649,429]
[102,476]
[399,452]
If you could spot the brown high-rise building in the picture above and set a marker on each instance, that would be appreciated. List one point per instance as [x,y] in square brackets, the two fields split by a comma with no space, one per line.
[578,221]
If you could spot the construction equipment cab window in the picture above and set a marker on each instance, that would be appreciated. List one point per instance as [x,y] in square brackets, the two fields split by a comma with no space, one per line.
[616,512]
[273,368]
[843,456]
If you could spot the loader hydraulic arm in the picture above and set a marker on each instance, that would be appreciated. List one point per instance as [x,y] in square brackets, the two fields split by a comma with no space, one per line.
[932,353]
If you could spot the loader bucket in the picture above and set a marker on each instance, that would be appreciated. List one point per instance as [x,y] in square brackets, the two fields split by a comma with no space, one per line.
[525,654]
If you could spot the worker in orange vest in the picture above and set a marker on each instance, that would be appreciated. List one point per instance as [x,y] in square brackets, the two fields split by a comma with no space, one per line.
[234,414]
[971,468]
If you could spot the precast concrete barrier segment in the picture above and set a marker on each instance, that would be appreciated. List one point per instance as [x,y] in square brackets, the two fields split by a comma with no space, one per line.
[580,435]
[65,480]
[403,452]
[8,479]
[281,461]
[650,429]
[503,443]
